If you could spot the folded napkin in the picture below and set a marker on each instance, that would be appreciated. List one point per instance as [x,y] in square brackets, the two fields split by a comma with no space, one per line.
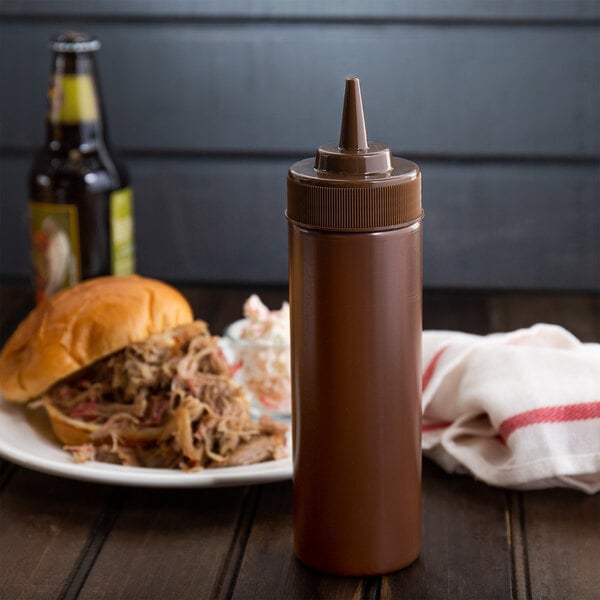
[519,409]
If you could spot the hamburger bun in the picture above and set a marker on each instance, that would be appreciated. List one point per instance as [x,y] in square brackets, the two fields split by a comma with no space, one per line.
[82,324]
[73,432]
[69,431]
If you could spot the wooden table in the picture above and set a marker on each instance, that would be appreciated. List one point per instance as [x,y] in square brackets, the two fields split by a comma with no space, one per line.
[68,539]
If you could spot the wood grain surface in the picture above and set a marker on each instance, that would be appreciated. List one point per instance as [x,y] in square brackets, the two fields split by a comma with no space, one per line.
[65,539]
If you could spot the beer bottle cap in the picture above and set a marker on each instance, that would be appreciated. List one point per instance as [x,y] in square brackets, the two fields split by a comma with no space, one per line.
[356,184]
[75,42]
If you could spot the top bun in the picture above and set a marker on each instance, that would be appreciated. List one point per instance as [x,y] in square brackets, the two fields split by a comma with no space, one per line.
[82,324]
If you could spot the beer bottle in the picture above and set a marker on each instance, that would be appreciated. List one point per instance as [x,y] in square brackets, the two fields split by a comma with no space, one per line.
[81,205]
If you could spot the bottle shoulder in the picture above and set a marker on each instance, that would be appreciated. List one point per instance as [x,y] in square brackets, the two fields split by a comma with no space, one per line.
[94,171]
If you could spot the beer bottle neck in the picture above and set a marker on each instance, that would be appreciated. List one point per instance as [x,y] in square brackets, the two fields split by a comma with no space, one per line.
[74,119]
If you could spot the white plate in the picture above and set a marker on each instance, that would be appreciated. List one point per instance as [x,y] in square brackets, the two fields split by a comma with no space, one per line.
[27,440]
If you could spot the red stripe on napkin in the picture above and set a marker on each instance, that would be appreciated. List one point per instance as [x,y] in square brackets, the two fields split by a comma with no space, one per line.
[550,414]
[435,426]
[428,373]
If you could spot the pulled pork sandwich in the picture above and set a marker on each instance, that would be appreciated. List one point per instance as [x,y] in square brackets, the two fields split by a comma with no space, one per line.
[127,376]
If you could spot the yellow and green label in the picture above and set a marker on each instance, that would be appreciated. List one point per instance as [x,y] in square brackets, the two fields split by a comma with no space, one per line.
[54,247]
[73,99]
[122,234]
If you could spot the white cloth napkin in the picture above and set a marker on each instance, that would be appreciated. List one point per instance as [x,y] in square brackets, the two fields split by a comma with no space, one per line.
[519,409]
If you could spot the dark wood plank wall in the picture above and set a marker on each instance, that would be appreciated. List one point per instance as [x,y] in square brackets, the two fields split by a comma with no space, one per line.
[210,102]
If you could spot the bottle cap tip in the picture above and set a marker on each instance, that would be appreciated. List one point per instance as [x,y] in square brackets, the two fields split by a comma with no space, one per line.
[353,131]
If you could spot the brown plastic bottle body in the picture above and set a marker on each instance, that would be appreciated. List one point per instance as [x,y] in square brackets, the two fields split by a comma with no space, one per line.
[356,321]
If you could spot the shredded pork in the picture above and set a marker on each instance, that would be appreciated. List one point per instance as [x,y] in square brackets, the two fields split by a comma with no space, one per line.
[167,402]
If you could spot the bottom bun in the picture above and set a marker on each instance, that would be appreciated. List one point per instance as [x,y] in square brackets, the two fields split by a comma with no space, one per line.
[73,432]
[69,431]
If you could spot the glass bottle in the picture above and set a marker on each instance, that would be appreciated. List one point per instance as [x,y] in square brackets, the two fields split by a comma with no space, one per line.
[81,205]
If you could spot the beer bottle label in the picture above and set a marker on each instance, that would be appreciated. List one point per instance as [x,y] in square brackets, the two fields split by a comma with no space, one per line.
[122,248]
[55,247]
[72,99]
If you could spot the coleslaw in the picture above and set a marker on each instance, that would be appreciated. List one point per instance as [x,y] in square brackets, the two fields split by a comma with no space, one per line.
[261,345]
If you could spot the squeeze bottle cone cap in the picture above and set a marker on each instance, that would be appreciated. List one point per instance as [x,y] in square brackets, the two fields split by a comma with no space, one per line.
[356,184]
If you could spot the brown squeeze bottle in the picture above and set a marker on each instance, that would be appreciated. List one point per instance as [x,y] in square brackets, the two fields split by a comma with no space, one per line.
[355,247]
